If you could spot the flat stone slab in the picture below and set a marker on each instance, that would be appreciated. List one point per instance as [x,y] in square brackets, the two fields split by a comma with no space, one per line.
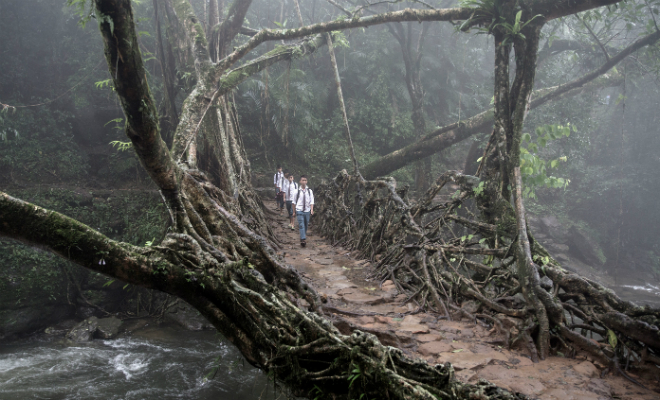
[464,359]
[429,337]
[434,348]
[358,297]
[512,379]
[339,285]
[413,324]
[323,261]
[587,369]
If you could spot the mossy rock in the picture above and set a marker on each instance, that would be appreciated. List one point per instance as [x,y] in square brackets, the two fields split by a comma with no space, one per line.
[84,331]
[108,328]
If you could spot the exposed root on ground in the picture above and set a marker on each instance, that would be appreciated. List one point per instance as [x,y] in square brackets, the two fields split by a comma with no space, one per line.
[442,255]
[218,264]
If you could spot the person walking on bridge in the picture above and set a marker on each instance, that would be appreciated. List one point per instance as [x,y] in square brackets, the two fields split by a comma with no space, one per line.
[278,181]
[304,208]
[290,189]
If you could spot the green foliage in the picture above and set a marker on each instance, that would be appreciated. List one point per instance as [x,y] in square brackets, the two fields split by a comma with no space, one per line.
[83,8]
[611,338]
[479,189]
[513,30]
[121,146]
[107,83]
[316,393]
[39,146]
[339,40]
[26,270]
[354,375]
[490,11]
[533,168]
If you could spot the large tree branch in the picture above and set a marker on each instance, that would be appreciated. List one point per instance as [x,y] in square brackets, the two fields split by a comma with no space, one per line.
[638,44]
[193,116]
[222,35]
[449,135]
[231,26]
[553,9]
[122,53]
[550,9]
[449,14]
[74,241]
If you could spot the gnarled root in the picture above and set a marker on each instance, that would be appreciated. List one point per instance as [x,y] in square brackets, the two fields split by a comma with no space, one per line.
[431,248]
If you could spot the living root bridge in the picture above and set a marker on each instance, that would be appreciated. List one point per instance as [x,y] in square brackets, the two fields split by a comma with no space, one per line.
[442,254]
[255,304]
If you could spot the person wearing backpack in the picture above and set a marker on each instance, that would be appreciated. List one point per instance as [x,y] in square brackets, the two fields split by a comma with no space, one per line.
[303,201]
[278,180]
[290,189]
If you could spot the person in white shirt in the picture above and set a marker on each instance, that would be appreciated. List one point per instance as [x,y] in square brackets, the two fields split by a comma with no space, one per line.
[278,181]
[303,199]
[290,188]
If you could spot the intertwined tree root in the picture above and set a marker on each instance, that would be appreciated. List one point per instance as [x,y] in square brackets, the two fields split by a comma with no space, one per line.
[298,347]
[441,254]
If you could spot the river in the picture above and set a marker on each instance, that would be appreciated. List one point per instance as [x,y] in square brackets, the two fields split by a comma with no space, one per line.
[160,362]
[156,362]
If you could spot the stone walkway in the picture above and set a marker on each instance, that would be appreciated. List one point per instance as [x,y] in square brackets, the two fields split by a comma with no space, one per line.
[472,348]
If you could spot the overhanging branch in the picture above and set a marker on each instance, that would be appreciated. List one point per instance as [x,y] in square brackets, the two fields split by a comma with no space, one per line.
[448,14]
[449,135]
[234,77]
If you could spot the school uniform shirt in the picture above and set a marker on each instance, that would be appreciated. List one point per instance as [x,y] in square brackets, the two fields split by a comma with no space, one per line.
[303,199]
[290,189]
[278,180]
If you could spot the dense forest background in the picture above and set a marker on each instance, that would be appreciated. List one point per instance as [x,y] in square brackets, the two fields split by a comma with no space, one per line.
[593,192]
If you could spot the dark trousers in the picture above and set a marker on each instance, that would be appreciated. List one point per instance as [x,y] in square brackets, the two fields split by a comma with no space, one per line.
[289,207]
[279,199]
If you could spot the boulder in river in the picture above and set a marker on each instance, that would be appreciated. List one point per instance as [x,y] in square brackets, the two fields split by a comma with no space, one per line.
[61,328]
[187,317]
[108,328]
[84,331]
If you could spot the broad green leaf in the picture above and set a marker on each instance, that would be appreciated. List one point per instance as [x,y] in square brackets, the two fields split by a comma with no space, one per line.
[611,337]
